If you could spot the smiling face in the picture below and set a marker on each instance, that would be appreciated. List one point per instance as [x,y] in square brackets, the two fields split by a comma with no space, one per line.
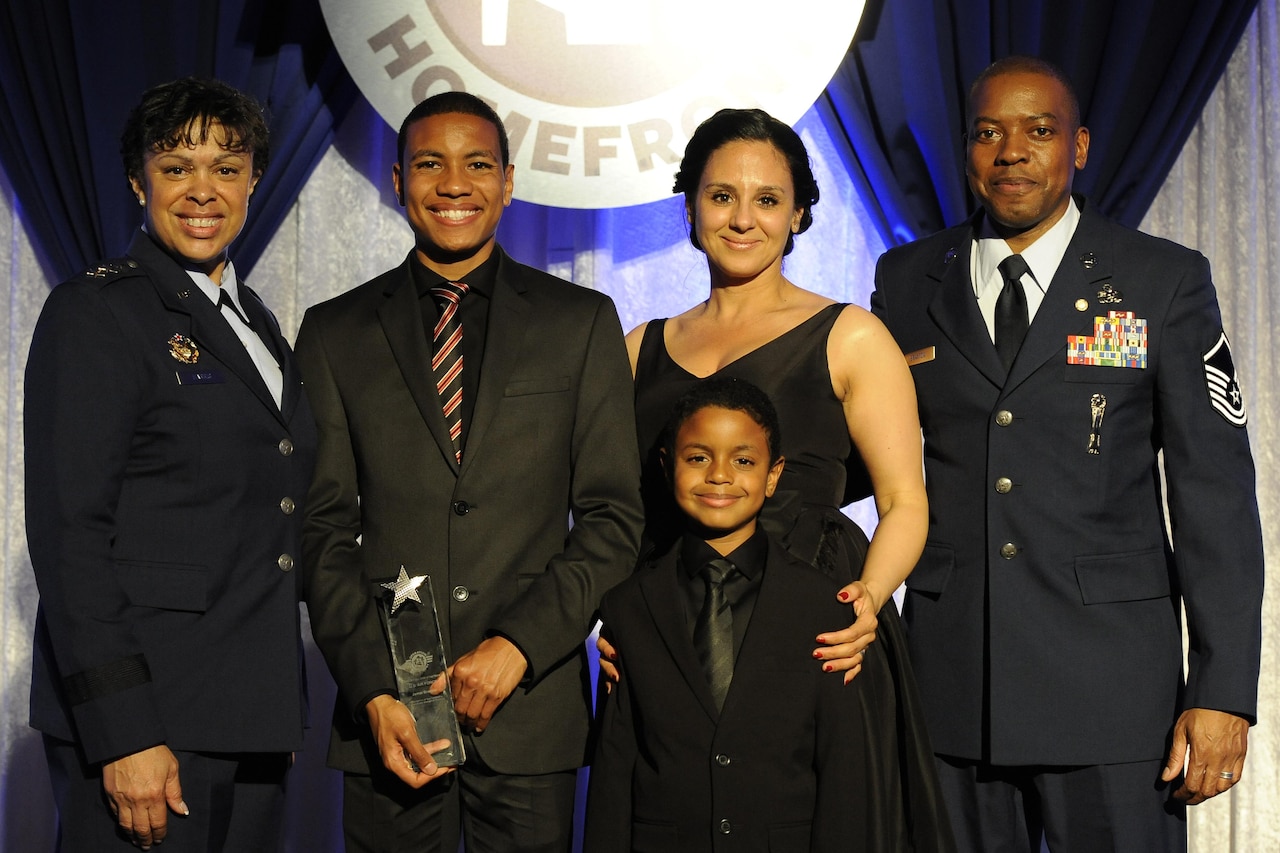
[197,197]
[720,473]
[454,187]
[744,211]
[1023,152]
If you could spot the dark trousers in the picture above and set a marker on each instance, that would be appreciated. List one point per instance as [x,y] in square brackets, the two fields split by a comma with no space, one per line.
[1123,808]
[489,812]
[236,802]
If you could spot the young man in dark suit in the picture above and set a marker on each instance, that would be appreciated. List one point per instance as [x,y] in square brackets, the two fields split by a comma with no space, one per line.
[1064,365]
[169,447]
[468,471]
[721,734]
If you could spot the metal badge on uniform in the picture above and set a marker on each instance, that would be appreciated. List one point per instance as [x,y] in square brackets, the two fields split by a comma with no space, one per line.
[1097,408]
[104,270]
[200,377]
[1108,295]
[920,356]
[184,349]
[1224,387]
[1118,340]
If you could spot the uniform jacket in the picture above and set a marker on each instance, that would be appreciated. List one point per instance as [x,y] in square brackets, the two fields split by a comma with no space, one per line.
[781,768]
[1048,590]
[552,436]
[163,492]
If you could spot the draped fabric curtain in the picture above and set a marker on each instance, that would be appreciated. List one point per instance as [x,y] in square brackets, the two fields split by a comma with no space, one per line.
[70,69]
[1143,70]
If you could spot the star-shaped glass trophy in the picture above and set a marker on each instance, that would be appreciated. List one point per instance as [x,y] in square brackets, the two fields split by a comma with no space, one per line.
[408,611]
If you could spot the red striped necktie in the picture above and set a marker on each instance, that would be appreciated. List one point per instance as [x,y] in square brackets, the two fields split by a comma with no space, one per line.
[446,362]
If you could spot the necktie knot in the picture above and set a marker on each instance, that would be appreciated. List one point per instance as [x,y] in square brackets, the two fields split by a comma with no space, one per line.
[224,301]
[449,293]
[717,571]
[1013,268]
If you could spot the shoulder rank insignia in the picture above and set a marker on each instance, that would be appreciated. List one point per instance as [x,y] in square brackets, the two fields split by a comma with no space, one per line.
[111,268]
[1220,379]
[184,349]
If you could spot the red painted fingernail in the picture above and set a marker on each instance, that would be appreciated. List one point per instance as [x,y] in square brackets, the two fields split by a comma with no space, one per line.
[844,596]
[828,668]
[817,655]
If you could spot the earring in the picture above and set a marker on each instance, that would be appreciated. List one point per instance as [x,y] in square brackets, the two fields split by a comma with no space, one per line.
[142,202]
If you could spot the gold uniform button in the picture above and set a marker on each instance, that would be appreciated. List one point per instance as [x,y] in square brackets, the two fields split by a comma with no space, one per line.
[285,562]
[1004,485]
[1008,550]
[1004,417]
[287,506]
[286,447]
[461,593]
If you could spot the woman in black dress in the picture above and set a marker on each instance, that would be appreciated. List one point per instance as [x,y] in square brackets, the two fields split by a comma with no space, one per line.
[843,392]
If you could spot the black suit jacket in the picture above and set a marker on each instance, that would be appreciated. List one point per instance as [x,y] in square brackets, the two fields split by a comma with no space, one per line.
[163,491]
[782,767]
[551,439]
[1048,596]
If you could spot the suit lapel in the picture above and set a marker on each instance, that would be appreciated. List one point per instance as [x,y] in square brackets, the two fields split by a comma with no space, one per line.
[661,591]
[203,322]
[503,346]
[401,319]
[956,311]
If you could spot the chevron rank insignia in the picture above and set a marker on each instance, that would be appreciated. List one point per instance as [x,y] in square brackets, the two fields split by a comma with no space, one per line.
[1224,387]
[1118,340]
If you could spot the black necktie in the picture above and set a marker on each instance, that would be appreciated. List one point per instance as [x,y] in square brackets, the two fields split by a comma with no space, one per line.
[446,361]
[713,632]
[1011,309]
[224,301]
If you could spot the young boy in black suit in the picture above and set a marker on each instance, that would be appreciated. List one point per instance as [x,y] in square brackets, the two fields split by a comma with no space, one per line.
[720,726]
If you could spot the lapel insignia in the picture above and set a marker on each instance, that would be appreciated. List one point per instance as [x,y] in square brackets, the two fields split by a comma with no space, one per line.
[1089,260]
[1108,295]
[949,257]
[184,349]
[1118,340]
[1082,304]
[183,294]
[1224,386]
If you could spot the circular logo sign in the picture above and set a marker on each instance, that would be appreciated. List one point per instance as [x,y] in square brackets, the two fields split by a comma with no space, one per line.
[598,96]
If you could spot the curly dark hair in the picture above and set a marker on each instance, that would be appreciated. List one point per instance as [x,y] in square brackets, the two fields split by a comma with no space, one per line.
[730,125]
[181,112]
[725,392]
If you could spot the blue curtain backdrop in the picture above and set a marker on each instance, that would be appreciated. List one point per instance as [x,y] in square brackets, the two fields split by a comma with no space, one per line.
[1143,69]
[71,69]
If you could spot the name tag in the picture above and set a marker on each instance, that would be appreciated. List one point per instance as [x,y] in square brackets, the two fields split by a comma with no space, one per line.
[200,377]
[920,356]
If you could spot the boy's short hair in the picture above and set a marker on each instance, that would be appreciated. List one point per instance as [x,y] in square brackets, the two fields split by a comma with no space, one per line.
[454,102]
[736,395]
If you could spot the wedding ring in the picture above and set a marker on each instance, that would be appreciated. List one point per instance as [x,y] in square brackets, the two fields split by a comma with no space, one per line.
[1226,774]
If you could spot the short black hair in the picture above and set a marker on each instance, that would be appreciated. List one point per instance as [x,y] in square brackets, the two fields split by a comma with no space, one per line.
[454,102]
[730,125]
[725,392]
[181,112]
[1019,64]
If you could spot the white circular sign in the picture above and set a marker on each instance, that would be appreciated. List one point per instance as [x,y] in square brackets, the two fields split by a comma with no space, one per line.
[598,96]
